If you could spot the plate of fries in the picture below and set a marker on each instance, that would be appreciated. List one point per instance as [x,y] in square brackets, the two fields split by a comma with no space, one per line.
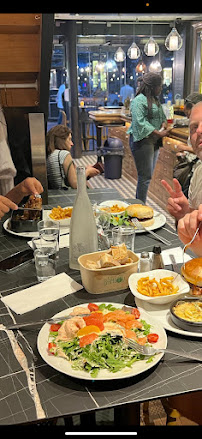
[61,214]
[157,286]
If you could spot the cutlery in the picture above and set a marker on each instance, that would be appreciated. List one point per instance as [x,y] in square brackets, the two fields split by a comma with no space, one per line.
[141,227]
[148,350]
[39,322]
[174,263]
[190,242]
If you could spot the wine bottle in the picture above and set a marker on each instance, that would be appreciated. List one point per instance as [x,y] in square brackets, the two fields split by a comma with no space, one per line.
[83,231]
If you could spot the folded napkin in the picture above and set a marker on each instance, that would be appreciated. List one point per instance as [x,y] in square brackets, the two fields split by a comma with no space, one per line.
[52,289]
[63,241]
[176,252]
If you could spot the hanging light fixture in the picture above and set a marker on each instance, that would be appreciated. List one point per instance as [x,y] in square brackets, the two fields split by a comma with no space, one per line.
[141,67]
[174,40]
[119,55]
[110,66]
[99,66]
[151,48]
[133,51]
[155,67]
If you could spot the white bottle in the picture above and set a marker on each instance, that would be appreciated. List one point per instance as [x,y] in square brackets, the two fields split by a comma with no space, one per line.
[83,231]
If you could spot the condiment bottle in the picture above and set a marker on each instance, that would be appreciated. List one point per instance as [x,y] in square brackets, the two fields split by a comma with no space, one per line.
[157,260]
[83,231]
[145,262]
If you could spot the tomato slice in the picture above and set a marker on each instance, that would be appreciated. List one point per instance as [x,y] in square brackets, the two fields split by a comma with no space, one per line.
[54,327]
[93,307]
[152,338]
[135,312]
[51,345]
[87,339]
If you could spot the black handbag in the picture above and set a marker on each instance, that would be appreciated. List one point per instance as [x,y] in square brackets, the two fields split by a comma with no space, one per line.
[183,172]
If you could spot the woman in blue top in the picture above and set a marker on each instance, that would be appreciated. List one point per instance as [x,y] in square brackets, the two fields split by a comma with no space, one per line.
[147,129]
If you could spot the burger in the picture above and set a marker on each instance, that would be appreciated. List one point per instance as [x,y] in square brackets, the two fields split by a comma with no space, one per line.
[144,214]
[192,273]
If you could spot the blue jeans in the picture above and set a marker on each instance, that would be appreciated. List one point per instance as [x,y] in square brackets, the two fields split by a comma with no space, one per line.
[145,153]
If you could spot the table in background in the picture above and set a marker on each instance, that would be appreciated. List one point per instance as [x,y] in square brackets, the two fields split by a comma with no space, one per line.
[61,395]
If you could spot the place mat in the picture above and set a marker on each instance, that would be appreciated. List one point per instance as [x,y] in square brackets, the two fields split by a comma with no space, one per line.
[38,295]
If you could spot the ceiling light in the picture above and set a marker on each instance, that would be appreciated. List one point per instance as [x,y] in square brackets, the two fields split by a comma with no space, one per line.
[119,55]
[155,67]
[141,67]
[151,48]
[173,40]
[133,51]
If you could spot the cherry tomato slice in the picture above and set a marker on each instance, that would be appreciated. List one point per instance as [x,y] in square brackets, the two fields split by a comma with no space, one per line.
[54,327]
[93,307]
[50,346]
[152,338]
[135,312]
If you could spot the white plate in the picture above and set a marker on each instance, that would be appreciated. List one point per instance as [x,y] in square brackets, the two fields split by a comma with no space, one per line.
[178,281]
[6,226]
[63,222]
[159,221]
[64,366]
[162,314]
[110,203]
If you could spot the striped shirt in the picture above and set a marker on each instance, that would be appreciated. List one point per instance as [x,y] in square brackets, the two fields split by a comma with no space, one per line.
[55,172]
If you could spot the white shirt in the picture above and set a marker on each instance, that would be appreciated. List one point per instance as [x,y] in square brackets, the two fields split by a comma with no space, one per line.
[195,188]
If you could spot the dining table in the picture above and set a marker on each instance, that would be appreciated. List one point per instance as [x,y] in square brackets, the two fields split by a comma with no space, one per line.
[38,392]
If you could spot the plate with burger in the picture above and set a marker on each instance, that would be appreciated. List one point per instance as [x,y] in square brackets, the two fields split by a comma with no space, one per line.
[192,273]
[149,218]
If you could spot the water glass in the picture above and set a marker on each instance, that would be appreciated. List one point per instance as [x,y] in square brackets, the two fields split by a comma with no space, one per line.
[124,235]
[49,231]
[45,256]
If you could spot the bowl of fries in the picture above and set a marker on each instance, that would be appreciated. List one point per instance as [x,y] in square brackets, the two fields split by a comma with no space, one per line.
[61,214]
[158,286]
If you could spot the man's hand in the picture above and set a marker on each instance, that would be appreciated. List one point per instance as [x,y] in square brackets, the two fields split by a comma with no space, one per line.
[6,205]
[178,204]
[30,186]
[187,227]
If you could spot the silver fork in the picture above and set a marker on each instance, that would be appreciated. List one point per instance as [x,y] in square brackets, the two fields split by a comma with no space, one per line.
[149,350]
[141,227]
[190,242]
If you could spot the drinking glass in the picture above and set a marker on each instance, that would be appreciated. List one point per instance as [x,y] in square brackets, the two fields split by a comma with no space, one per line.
[124,235]
[45,255]
[49,231]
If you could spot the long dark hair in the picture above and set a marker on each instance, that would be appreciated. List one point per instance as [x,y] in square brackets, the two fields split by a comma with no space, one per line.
[148,86]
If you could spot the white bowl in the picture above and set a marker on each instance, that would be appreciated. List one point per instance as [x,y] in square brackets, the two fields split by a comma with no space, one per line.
[158,274]
[63,222]
[110,203]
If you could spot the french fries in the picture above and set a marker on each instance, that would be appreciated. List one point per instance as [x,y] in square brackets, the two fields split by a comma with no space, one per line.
[153,288]
[59,213]
[114,208]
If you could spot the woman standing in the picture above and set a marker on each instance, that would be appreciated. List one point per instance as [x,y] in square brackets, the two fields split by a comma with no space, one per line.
[147,129]
[60,167]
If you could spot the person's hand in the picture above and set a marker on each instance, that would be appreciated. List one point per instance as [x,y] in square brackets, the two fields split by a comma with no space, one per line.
[30,186]
[178,204]
[187,227]
[6,205]
[91,171]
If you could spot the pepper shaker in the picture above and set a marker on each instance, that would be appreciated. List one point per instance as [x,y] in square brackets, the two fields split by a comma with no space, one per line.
[157,260]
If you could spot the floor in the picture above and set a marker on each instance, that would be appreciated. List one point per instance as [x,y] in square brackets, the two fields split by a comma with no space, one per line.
[152,413]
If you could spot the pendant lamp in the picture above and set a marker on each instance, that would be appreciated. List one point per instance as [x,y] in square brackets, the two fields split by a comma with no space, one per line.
[133,51]
[141,67]
[151,48]
[155,67]
[119,55]
[174,40]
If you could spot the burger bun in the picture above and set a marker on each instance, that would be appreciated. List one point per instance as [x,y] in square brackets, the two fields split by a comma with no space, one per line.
[192,272]
[144,214]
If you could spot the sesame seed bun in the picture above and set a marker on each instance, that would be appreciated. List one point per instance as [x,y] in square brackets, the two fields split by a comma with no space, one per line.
[144,214]
[192,271]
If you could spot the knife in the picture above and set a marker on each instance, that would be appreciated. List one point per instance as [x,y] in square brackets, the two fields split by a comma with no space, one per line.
[40,322]
[174,263]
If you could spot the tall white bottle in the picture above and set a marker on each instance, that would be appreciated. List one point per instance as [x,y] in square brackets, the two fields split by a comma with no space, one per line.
[83,231]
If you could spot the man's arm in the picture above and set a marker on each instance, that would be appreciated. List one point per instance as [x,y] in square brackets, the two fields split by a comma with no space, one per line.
[29,186]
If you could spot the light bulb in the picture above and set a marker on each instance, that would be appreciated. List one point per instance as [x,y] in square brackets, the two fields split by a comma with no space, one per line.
[133,51]
[119,55]
[174,40]
[151,48]
[141,67]
[99,66]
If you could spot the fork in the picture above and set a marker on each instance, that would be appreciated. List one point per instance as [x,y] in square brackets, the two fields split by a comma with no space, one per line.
[149,350]
[190,242]
[141,227]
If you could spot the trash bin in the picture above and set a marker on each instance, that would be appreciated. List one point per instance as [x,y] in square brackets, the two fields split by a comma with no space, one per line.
[112,152]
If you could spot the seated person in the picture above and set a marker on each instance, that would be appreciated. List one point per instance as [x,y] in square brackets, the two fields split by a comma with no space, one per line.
[60,167]
[178,205]
[187,227]
[29,186]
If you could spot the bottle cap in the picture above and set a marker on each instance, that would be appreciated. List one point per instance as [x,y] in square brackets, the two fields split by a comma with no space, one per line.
[157,250]
[144,255]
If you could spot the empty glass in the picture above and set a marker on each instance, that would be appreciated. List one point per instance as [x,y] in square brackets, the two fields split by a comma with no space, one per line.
[124,235]
[45,255]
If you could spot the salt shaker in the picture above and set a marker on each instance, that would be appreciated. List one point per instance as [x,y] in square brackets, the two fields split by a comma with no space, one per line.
[157,260]
[145,263]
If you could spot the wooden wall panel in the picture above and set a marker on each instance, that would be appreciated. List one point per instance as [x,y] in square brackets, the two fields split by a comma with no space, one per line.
[19,53]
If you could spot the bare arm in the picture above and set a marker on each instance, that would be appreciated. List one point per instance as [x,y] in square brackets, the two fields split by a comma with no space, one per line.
[29,186]
[70,171]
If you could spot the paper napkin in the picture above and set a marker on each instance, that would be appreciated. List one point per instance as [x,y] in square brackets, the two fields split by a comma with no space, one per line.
[176,252]
[31,298]
[63,241]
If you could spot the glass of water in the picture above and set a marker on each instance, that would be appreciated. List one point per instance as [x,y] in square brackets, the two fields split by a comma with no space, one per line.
[45,256]
[50,232]
[124,235]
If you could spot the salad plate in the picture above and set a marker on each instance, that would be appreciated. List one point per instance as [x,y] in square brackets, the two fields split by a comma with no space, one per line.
[159,221]
[64,365]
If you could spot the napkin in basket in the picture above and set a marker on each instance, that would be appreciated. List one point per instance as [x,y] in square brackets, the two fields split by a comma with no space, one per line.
[31,298]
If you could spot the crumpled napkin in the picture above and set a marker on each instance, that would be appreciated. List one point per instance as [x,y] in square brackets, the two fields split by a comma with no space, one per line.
[38,295]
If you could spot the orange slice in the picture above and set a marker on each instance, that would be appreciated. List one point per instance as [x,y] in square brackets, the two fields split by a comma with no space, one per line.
[88,330]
